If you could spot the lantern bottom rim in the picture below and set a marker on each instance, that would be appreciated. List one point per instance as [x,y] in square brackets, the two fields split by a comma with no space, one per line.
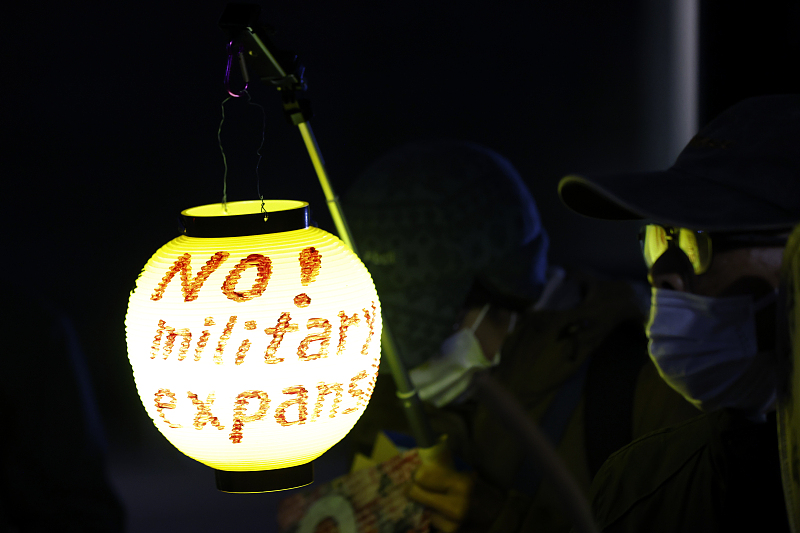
[247,482]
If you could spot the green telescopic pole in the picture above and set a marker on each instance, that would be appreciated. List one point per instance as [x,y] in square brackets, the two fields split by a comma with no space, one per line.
[238,19]
[408,395]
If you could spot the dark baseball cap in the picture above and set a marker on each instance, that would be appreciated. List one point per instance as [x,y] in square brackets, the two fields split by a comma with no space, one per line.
[741,172]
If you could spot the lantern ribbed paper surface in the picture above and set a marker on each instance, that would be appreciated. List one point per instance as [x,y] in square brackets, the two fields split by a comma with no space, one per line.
[254,352]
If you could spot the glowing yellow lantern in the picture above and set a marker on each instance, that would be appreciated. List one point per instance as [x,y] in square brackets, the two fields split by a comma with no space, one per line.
[254,342]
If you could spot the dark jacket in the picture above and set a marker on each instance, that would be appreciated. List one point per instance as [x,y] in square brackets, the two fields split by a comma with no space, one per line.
[583,375]
[716,472]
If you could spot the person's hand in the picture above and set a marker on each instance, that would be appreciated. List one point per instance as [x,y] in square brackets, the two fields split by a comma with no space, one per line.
[445,491]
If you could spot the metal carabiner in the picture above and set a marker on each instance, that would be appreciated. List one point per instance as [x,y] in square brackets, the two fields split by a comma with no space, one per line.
[242,66]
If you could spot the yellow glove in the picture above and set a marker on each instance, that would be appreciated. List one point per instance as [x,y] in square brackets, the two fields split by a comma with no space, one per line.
[445,491]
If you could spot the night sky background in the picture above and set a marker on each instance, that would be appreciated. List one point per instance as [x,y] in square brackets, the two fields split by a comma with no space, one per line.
[110,130]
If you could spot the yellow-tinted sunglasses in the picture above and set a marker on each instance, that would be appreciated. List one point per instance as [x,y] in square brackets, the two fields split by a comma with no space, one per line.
[655,240]
[696,244]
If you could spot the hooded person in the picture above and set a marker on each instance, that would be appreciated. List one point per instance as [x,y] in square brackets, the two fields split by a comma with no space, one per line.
[717,222]
[455,245]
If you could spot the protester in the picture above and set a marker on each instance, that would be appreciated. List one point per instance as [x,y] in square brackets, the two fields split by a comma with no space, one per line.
[453,240]
[721,216]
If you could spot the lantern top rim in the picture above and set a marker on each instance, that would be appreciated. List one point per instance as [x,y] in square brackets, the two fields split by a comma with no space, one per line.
[239,219]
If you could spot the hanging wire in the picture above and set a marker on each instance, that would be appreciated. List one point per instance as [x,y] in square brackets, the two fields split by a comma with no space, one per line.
[258,152]
[224,159]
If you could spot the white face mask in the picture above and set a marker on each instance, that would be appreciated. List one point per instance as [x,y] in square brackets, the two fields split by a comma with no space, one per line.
[706,349]
[446,377]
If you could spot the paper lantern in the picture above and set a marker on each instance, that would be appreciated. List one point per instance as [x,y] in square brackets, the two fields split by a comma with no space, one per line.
[254,342]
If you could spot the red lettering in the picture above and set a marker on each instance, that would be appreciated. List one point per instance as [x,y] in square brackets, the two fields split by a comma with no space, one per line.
[264,266]
[371,323]
[250,325]
[324,389]
[302,300]
[201,344]
[324,339]
[302,406]
[204,415]
[310,264]
[223,339]
[169,342]
[161,405]
[281,328]
[242,351]
[346,322]
[184,265]
[360,396]
[239,409]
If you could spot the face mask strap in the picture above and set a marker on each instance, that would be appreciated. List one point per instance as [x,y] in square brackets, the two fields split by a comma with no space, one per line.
[479,319]
[765,300]
[512,323]
[732,241]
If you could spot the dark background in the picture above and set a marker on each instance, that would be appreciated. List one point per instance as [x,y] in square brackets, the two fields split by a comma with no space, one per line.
[110,129]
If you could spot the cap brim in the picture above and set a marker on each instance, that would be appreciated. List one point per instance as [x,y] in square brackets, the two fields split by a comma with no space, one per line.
[673,198]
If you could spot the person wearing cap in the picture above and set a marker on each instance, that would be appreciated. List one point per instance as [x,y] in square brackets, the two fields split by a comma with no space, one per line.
[454,243]
[718,221]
